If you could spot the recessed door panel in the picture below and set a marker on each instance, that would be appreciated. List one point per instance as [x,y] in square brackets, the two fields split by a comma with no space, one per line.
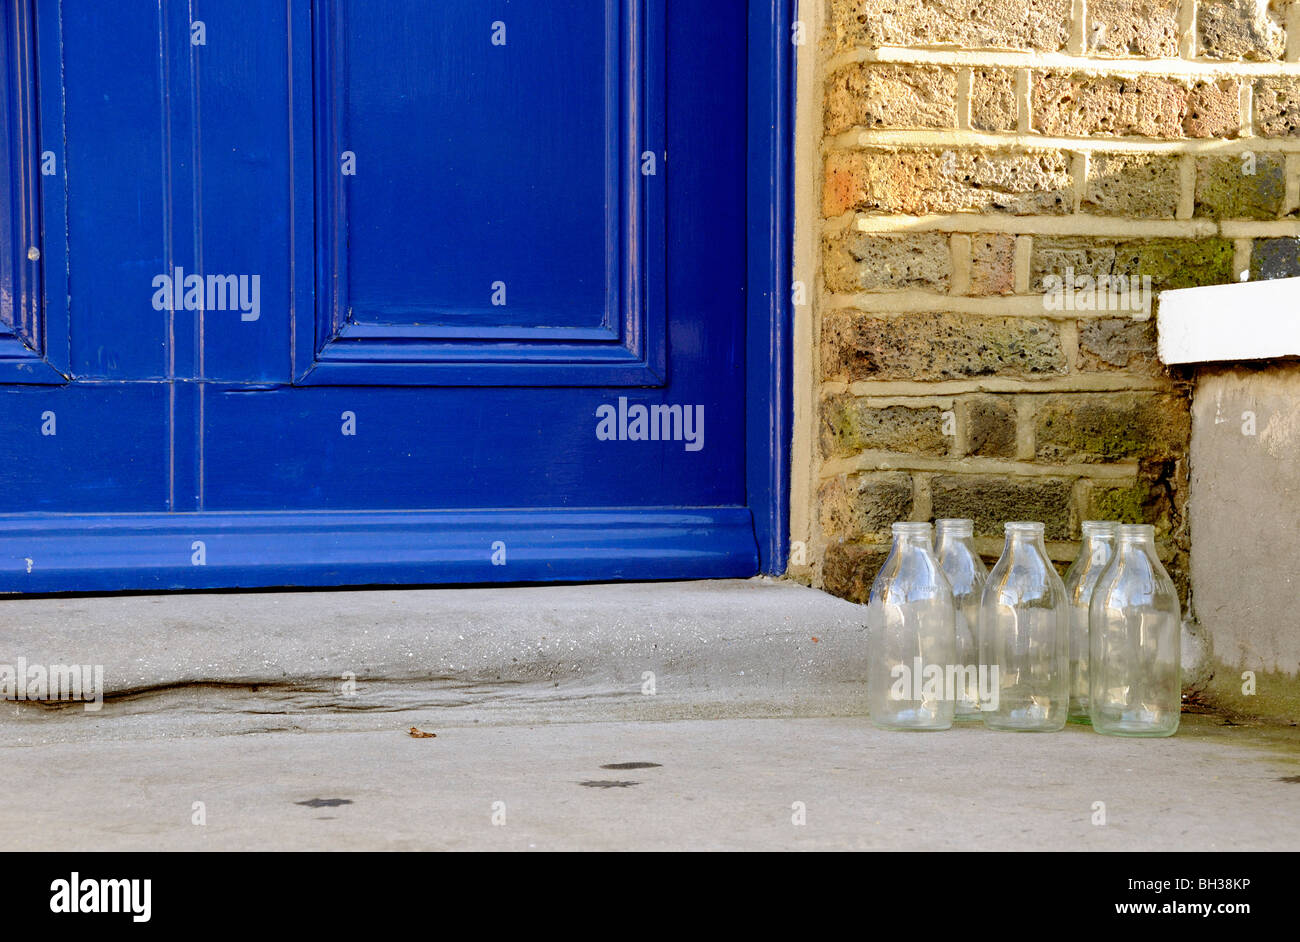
[486,205]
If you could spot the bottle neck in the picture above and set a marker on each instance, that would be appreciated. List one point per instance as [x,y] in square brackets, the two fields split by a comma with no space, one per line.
[913,541]
[1096,540]
[1136,537]
[1024,538]
[947,540]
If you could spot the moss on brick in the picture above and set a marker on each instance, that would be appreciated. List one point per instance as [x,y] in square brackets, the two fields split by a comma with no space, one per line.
[1135,185]
[856,507]
[1177,263]
[861,261]
[849,426]
[857,346]
[1170,263]
[850,568]
[1236,188]
[1144,502]
[1118,343]
[990,426]
[992,500]
[1092,427]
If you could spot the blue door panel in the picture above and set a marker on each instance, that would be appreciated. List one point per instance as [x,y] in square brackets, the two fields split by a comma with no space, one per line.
[459,148]
[351,448]
[84,448]
[235,92]
[351,291]
[488,206]
[118,163]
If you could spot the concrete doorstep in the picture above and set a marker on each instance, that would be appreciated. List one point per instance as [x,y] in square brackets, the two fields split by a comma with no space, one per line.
[669,715]
[332,660]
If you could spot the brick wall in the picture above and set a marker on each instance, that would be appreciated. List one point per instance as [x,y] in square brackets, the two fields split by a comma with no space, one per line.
[968,157]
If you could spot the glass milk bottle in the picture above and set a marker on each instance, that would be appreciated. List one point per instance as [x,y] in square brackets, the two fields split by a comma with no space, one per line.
[967,575]
[1024,637]
[911,636]
[1081,578]
[1135,626]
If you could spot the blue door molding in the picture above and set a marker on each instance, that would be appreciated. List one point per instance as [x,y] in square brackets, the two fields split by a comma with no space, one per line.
[34,324]
[111,552]
[770,233]
[51,546]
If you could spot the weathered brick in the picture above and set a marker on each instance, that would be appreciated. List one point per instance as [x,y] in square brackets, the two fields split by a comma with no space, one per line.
[1134,185]
[1277,106]
[1239,29]
[992,264]
[857,346]
[891,96]
[1214,109]
[850,425]
[1170,263]
[864,261]
[1275,258]
[1003,24]
[1079,104]
[1118,343]
[861,506]
[1088,427]
[990,500]
[990,425]
[1226,190]
[993,100]
[850,568]
[1146,28]
[1082,104]
[932,181]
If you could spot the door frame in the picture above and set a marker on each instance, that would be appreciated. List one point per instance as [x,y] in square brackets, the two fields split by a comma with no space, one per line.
[770,234]
[159,551]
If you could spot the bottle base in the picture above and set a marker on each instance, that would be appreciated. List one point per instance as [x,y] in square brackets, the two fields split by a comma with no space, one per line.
[894,728]
[1134,730]
[1025,727]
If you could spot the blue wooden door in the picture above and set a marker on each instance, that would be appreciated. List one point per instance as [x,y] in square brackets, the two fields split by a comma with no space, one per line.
[371,291]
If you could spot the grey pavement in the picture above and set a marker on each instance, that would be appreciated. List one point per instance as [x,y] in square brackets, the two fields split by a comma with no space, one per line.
[714,784]
[281,721]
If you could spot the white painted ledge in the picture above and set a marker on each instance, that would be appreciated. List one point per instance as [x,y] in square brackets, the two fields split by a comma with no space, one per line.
[1254,320]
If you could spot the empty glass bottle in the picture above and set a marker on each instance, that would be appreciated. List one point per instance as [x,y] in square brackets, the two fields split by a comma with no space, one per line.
[1024,637]
[1080,579]
[955,548]
[911,636]
[1135,626]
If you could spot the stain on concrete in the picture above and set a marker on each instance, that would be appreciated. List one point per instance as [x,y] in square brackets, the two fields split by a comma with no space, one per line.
[624,766]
